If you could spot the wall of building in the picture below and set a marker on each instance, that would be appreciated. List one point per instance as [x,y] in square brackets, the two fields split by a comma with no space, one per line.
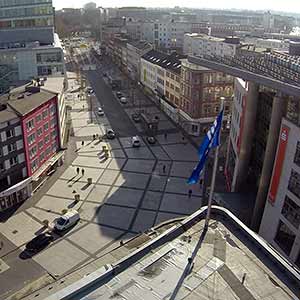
[280,224]
[41,140]
[173,87]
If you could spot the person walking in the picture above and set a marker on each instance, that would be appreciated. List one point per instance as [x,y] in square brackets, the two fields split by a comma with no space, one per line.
[164,169]
[82,143]
[166,136]
[82,172]
[77,170]
[190,193]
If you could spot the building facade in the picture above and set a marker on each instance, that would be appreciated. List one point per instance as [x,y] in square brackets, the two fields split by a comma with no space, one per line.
[135,50]
[26,21]
[14,184]
[205,45]
[281,219]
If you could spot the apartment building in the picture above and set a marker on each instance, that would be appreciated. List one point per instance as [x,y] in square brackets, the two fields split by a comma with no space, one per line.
[135,50]
[14,183]
[206,45]
[201,93]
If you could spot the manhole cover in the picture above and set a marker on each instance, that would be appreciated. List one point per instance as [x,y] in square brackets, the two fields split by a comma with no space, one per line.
[15,231]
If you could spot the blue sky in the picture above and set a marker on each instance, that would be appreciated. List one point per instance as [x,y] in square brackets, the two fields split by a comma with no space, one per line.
[280,5]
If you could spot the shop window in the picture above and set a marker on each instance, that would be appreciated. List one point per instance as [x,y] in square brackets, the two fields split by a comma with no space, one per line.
[284,238]
[294,183]
[297,155]
[291,211]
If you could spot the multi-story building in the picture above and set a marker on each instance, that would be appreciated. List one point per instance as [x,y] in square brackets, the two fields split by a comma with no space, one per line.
[135,50]
[173,83]
[201,93]
[205,45]
[26,21]
[14,183]
[29,47]
[281,219]
[38,112]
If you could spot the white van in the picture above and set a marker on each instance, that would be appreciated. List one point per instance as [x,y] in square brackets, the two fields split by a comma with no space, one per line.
[135,141]
[67,220]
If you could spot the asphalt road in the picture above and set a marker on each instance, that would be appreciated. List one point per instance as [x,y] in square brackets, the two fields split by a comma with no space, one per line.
[114,111]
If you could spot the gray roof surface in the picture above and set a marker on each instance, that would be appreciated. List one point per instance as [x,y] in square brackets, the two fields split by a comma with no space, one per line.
[6,115]
[30,102]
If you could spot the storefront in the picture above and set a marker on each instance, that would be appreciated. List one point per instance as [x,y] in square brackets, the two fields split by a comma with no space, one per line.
[15,194]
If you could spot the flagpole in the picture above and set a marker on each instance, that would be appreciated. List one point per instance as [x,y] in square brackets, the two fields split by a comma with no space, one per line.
[213,179]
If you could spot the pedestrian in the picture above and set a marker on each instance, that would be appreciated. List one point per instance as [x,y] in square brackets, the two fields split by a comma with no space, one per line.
[166,136]
[77,170]
[82,172]
[164,168]
[83,106]
[183,139]
[94,137]
[190,193]
[82,143]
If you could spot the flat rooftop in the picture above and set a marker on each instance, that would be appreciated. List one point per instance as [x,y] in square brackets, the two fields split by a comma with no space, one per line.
[229,262]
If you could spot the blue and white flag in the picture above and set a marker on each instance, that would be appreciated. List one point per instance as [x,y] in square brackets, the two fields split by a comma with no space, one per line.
[211,140]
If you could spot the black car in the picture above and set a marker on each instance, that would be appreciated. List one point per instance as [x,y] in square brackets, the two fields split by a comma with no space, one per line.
[119,95]
[136,117]
[39,242]
[151,140]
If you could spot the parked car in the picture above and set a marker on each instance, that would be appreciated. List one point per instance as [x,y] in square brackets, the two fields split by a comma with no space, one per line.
[151,140]
[100,112]
[39,242]
[119,95]
[136,117]
[110,134]
[123,100]
[135,142]
[69,219]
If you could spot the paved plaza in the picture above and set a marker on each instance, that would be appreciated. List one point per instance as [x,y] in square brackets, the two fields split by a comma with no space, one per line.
[131,191]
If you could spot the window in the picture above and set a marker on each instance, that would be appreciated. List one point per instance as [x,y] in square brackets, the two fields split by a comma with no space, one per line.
[54,147]
[291,211]
[31,139]
[46,126]
[294,183]
[297,155]
[52,110]
[2,167]
[284,238]
[39,131]
[41,144]
[13,161]
[10,133]
[45,114]
[32,152]
[47,138]
[53,122]
[42,157]
[48,151]
[34,165]
[38,118]
[30,125]
[53,134]
[1,152]
[12,147]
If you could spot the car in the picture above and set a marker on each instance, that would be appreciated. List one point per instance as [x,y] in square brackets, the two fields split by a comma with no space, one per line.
[135,141]
[100,112]
[151,140]
[136,117]
[67,220]
[123,100]
[119,95]
[110,134]
[39,242]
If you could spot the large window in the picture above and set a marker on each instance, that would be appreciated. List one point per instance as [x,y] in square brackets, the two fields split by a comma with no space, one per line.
[291,211]
[284,238]
[294,183]
[30,125]
[297,154]
[10,133]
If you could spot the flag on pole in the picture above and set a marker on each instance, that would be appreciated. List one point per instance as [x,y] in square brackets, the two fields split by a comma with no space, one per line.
[211,140]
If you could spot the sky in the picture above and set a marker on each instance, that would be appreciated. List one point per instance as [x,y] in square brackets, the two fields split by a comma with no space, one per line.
[277,5]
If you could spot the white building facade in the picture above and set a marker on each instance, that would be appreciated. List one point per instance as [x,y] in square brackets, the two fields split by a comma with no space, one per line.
[280,224]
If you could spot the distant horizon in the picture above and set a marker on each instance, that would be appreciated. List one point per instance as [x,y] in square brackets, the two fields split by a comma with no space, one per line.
[287,7]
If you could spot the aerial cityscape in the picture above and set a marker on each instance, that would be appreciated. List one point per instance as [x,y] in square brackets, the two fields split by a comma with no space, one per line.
[149,152]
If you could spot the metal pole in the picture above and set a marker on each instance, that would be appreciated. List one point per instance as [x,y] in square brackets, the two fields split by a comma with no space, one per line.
[213,180]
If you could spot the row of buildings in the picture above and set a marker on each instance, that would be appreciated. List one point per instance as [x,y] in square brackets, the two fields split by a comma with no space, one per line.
[32,108]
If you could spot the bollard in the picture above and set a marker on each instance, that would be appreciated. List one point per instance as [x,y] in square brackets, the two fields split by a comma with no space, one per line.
[76,197]
[89,180]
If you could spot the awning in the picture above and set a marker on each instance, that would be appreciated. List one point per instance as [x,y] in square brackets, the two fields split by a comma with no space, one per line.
[46,166]
[15,188]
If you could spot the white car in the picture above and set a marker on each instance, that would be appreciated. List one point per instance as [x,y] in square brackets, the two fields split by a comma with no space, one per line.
[135,141]
[123,100]
[100,112]
[67,220]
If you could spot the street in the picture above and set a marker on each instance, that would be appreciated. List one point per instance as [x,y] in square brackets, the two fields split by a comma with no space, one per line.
[132,190]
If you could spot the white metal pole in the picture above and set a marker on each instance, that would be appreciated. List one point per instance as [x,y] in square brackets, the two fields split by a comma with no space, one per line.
[213,180]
